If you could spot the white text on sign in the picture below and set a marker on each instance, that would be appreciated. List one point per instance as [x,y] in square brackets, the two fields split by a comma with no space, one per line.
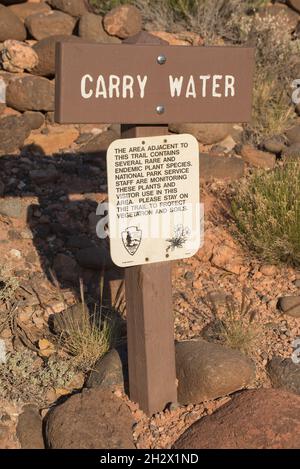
[128,86]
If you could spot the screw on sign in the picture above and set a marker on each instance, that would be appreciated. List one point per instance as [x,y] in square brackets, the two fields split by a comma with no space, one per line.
[153,177]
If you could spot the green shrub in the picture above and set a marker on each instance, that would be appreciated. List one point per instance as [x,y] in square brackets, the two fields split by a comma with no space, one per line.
[266,208]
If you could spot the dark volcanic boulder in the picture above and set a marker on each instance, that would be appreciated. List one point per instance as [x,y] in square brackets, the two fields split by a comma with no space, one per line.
[30,93]
[48,24]
[256,419]
[94,419]
[207,370]
[45,50]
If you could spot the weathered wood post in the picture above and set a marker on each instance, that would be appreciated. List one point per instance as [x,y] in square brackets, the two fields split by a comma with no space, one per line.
[149,309]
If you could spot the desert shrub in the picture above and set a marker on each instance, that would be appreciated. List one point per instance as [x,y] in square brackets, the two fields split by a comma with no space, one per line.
[266,208]
[24,379]
[234,326]
[8,284]
[210,18]
[272,111]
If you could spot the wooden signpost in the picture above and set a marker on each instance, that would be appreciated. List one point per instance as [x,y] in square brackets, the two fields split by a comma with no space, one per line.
[144,84]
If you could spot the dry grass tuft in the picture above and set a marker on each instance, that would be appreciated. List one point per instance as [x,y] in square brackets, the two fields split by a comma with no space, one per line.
[235,326]
[92,337]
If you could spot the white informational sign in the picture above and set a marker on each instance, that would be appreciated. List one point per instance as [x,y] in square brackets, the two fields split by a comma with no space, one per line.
[154,206]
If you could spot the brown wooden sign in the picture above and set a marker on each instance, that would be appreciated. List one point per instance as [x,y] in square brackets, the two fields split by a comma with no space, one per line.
[152,84]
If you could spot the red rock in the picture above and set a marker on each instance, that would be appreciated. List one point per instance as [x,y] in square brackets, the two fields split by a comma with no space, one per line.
[29,429]
[72,7]
[228,258]
[204,133]
[255,419]
[23,10]
[187,38]
[11,27]
[91,29]
[57,139]
[48,24]
[17,56]
[258,158]
[123,21]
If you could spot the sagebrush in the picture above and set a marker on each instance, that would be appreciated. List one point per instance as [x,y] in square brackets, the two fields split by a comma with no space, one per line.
[23,378]
[266,209]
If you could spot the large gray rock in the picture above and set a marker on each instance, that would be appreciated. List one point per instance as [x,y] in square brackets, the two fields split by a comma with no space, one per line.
[207,371]
[45,50]
[91,29]
[48,24]
[256,419]
[220,167]
[29,429]
[72,7]
[30,93]
[13,132]
[204,133]
[94,419]
[11,27]
[284,374]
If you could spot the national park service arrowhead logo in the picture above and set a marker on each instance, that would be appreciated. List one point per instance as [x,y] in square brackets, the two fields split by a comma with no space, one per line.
[132,238]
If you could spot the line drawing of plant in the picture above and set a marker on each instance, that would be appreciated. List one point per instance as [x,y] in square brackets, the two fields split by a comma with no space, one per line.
[179,238]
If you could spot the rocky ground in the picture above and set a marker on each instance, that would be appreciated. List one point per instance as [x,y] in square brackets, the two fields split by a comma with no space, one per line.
[52,177]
